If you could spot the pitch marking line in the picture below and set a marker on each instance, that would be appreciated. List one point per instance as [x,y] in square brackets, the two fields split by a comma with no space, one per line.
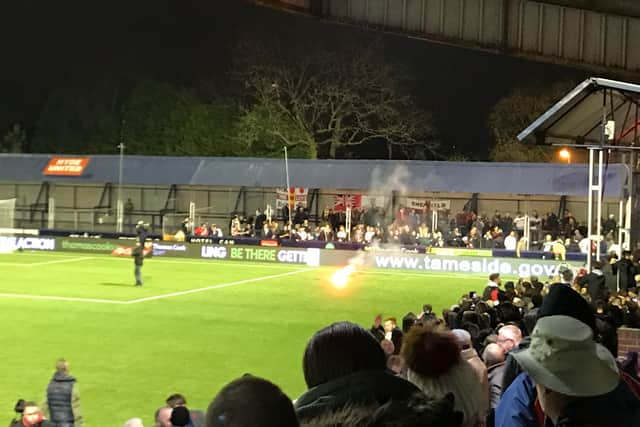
[54,298]
[223,285]
[152,298]
[37,264]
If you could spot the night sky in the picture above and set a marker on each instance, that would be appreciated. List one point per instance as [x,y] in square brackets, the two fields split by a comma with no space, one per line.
[47,44]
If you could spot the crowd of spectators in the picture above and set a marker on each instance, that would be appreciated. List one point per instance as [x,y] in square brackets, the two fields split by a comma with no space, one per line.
[523,353]
[408,227]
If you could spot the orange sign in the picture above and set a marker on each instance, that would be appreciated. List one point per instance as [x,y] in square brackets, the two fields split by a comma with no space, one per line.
[68,166]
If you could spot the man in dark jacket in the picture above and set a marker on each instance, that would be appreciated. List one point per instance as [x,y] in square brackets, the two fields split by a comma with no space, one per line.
[595,283]
[492,291]
[626,271]
[63,400]
[138,255]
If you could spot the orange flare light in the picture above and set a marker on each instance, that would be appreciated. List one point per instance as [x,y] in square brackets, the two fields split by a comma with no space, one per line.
[340,278]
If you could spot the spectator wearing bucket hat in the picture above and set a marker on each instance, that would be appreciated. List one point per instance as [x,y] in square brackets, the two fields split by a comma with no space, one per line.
[577,380]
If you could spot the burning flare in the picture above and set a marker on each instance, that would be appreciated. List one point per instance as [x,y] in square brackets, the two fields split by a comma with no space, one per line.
[340,278]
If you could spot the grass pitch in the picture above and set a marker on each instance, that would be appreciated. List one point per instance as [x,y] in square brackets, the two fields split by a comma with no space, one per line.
[194,325]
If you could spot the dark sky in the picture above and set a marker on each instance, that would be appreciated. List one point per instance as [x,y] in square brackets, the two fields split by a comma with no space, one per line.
[46,44]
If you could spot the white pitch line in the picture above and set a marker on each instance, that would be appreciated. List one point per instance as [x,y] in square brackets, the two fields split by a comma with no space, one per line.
[36,264]
[223,285]
[54,298]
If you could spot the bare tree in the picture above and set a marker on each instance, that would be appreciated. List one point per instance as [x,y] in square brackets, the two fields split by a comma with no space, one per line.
[514,113]
[337,98]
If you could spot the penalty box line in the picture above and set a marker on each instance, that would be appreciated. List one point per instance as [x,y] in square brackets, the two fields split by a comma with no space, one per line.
[151,298]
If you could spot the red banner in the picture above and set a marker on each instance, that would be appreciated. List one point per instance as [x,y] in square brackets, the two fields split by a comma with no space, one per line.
[66,166]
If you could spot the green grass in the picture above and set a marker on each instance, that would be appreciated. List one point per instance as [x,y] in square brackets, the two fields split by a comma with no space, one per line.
[129,353]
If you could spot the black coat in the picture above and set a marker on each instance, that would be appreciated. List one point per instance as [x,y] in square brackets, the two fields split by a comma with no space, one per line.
[366,388]
[595,284]
[619,408]
[626,271]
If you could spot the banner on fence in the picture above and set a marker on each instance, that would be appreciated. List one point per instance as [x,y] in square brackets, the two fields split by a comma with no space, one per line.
[429,205]
[296,196]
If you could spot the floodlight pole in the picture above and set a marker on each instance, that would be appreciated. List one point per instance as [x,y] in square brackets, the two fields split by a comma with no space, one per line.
[119,205]
[289,204]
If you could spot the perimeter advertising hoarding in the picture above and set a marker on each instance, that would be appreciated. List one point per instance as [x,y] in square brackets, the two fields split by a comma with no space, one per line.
[257,254]
[12,243]
[521,267]
[524,267]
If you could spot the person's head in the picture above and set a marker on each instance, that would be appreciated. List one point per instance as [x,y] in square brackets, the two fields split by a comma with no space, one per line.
[32,414]
[495,278]
[509,337]
[566,363]
[395,363]
[463,338]
[387,347]
[133,422]
[62,366]
[389,324]
[251,402]
[408,321]
[493,354]
[163,416]
[340,349]
[176,399]
[430,351]
[180,416]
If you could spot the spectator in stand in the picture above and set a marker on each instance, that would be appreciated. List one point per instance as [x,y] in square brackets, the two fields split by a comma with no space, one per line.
[341,235]
[434,365]
[492,291]
[180,417]
[535,222]
[586,393]
[469,354]
[494,357]
[547,245]
[202,230]
[610,225]
[215,231]
[162,416]
[251,402]
[509,337]
[393,333]
[260,220]
[506,223]
[387,347]
[559,250]
[518,223]
[345,371]
[594,283]
[511,241]
[32,416]
[626,271]
[196,417]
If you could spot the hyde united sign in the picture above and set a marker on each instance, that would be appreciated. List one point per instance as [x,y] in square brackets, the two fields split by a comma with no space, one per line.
[66,166]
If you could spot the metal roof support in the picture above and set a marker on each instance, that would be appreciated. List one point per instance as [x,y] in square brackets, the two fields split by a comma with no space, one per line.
[595,198]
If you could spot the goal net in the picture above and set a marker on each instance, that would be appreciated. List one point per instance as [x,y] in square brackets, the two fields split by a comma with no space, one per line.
[7,216]
[7,213]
